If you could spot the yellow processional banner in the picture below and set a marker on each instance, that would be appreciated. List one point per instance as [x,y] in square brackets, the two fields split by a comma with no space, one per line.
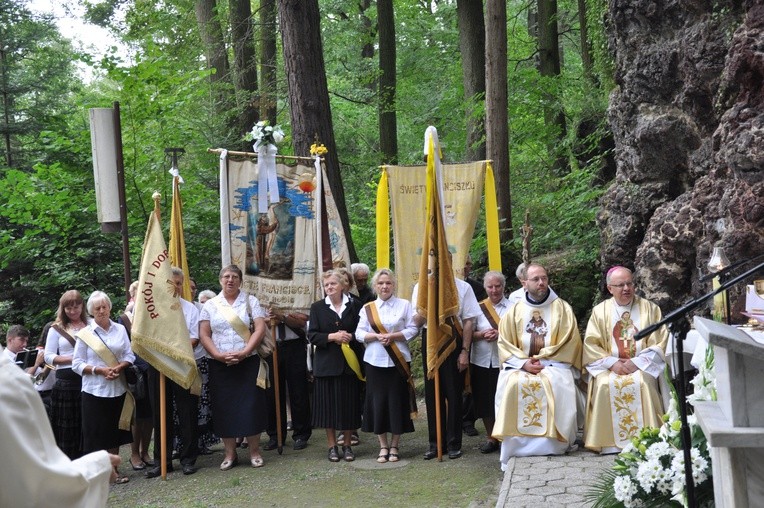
[463,188]
[159,332]
[278,250]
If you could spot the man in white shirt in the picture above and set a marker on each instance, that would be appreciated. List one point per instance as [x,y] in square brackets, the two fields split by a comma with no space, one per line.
[484,357]
[16,340]
[186,404]
[451,376]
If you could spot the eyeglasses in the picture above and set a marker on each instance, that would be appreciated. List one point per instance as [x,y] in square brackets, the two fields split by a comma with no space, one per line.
[538,279]
[622,285]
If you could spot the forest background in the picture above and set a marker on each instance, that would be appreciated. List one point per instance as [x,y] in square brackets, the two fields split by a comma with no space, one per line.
[199,74]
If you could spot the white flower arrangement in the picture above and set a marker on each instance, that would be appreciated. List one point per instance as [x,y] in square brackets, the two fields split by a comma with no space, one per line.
[650,470]
[263,134]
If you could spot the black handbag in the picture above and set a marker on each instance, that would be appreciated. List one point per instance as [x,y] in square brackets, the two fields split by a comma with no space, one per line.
[136,382]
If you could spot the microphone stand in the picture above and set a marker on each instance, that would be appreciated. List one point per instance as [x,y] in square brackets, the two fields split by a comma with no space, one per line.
[679,326]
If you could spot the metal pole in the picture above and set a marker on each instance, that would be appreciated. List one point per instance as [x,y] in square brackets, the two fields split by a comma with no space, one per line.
[122,198]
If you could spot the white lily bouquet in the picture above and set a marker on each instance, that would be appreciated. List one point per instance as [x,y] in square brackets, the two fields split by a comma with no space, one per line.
[263,134]
[649,472]
[265,138]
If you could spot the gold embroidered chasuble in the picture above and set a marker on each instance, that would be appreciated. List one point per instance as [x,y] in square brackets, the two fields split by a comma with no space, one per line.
[618,406]
[538,405]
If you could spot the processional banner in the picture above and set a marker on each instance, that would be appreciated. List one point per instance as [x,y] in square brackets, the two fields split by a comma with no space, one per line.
[277,251]
[463,186]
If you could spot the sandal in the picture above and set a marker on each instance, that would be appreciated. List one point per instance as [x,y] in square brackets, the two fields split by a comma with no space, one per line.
[382,457]
[121,479]
[334,455]
[348,454]
[394,456]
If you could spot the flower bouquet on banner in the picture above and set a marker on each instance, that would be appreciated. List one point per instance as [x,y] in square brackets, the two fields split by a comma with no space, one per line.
[265,138]
[649,472]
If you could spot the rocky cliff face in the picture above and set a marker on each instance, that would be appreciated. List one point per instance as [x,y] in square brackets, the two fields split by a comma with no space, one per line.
[688,121]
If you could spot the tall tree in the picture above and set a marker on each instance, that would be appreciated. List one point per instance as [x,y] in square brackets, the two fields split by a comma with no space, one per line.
[268,85]
[586,47]
[245,63]
[215,52]
[388,128]
[549,66]
[35,79]
[308,93]
[472,48]
[496,104]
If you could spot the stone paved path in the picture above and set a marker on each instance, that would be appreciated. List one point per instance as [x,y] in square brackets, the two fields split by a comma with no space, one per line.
[551,481]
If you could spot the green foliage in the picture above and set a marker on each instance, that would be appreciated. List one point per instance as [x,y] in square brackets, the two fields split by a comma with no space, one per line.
[50,241]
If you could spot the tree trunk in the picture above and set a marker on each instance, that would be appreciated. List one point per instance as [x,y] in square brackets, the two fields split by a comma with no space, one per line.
[268,88]
[496,104]
[308,93]
[388,129]
[472,48]
[549,66]
[245,63]
[586,47]
[212,37]
[214,50]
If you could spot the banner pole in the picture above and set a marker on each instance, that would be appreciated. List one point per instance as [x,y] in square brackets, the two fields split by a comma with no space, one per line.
[163,423]
[276,388]
[438,415]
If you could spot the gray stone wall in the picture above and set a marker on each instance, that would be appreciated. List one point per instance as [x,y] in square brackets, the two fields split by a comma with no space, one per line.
[688,121]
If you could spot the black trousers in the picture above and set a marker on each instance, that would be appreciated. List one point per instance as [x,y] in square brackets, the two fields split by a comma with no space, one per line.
[187,406]
[451,388]
[293,376]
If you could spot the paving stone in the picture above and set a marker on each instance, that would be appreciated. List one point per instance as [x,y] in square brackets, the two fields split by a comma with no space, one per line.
[528,484]
[549,490]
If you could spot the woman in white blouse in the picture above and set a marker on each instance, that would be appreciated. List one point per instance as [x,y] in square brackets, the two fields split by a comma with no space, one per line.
[386,325]
[103,385]
[66,397]
[231,327]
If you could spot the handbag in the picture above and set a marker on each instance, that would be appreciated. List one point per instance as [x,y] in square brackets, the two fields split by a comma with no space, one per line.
[265,349]
[136,382]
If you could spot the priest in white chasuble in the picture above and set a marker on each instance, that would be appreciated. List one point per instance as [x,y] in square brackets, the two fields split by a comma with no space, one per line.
[540,354]
[625,374]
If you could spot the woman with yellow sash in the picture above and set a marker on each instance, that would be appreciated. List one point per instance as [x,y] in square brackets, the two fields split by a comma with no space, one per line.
[385,327]
[100,356]
[336,366]
[231,327]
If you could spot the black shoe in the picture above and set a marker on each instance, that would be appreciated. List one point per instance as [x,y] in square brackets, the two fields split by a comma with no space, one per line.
[300,444]
[347,453]
[489,447]
[175,455]
[157,471]
[189,469]
[271,445]
[334,455]
[454,454]
[205,451]
[470,430]
[430,454]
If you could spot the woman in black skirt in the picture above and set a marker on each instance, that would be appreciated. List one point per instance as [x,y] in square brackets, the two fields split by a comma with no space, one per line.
[386,325]
[231,327]
[337,367]
[101,354]
[66,396]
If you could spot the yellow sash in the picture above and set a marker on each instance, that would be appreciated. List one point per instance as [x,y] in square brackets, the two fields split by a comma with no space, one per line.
[105,354]
[490,313]
[242,330]
[372,314]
